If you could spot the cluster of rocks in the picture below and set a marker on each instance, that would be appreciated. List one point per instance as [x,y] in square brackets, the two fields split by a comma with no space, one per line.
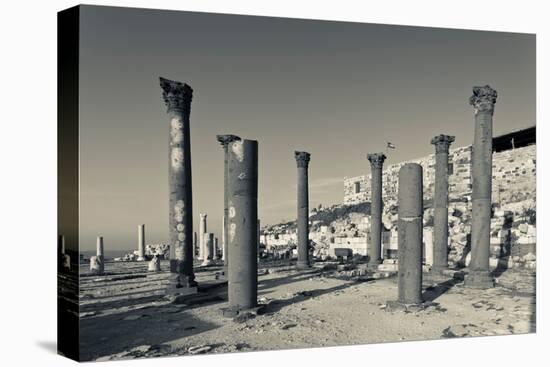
[161,250]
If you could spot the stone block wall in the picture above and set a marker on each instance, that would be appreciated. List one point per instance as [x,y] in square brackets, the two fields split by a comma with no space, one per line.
[514,173]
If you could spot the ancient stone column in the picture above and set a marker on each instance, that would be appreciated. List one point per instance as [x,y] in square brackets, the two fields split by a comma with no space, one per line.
[202,233]
[441,201]
[242,222]
[64,260]
[194,243]
[97,263]
[302,223]
[141,242]
[208,249]
[483,100]
[225,140]
[177,97]
[375,246]
[216,248]
[410,234]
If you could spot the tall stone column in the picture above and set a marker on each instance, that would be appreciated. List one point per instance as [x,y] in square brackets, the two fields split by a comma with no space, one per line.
[483,100]
[202,233]
[225,140]
[242,222]
[194,243]
[410,234]
[141,242]
[177,97]
[375,245]
[302,161]
[441,201]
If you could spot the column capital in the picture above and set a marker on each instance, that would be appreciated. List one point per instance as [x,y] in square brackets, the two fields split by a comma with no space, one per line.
[177,96]
[224,140]
[203,216]
[483,99]
[442,143]
[376,159]
[302,158]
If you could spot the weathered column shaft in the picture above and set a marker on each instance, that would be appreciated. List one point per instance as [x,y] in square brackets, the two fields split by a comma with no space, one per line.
[208,248]
[410,210]
[99,247]
[483,100]
[97,263]
[202,235]
[375,245]
[141,242]
[441,201]
[242,222]
[302,161]
[224,241]
[177,97]
[225,140]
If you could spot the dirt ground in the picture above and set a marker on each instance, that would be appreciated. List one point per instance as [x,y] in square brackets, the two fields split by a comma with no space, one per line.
[124,313]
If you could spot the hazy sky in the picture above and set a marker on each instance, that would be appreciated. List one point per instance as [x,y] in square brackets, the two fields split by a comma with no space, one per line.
[337,90]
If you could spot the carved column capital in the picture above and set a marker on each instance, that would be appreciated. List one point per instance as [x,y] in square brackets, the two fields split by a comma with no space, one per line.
[376,159]
[226,139]
[442,143]
[483,99]
[177,96]
[302,158]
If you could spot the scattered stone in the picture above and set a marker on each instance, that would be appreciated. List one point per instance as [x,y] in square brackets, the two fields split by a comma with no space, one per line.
[288,326]
[199,349]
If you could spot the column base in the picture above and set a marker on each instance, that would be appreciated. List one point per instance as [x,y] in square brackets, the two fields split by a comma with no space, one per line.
[181,284]
[393,306]
[303,265]
[479,279]
[207,262]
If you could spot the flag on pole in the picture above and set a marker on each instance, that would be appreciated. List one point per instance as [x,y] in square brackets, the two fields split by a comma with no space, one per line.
[390,145]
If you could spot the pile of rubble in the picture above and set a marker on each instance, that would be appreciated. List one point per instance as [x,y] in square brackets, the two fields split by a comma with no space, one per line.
[162,250]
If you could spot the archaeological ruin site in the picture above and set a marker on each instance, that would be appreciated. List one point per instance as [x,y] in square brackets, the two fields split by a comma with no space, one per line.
[442,246]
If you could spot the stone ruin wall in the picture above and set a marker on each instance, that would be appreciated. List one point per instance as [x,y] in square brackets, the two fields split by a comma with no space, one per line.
[513,238]
[513,177]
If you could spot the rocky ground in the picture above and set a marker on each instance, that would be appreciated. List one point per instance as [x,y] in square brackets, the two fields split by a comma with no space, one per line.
[124,313]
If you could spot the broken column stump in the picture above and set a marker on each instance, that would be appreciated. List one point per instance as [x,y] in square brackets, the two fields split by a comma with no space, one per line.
[208,249]
[410,210]
[97,263]
[242,226]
